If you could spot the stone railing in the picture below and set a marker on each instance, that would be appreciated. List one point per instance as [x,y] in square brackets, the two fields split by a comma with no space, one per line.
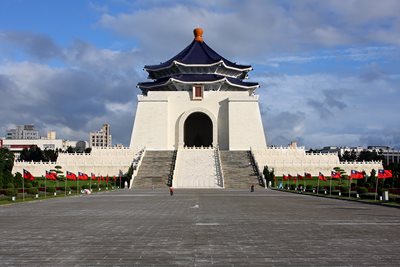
[218,167]
[260,175]
[137,161]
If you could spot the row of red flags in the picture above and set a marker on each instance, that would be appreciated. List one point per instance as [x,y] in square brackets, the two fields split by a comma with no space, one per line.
[69,175]
[382,174]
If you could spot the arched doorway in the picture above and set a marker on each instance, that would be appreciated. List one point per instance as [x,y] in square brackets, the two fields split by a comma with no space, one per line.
[198,130]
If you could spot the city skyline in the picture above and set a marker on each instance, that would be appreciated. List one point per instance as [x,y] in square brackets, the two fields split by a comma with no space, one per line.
[329,71]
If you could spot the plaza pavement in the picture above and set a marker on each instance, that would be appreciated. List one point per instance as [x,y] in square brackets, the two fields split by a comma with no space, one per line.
[198,228]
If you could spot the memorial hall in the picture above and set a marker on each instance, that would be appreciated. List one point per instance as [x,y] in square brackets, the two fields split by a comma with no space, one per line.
[198,125]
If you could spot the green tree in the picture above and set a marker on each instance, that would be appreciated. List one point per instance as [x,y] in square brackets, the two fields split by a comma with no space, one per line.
[269,175]
[6,165]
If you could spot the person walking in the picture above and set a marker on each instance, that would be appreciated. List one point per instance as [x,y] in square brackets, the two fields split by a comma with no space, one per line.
[171,190]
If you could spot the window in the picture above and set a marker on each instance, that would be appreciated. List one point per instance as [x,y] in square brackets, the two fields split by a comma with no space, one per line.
[198,92]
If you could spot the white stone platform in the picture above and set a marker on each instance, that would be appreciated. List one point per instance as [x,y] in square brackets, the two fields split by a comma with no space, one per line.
[195,168]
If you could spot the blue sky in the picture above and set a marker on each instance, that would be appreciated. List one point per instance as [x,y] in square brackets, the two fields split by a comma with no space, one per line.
[329,70]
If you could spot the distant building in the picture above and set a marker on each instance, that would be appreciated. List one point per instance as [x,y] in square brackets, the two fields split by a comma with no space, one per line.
[51,135]
[17,145]
[101,138]
[23,132]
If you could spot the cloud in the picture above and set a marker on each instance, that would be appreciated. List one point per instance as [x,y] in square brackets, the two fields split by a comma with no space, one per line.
[93,86]
[38,46]
[258,30]
[336,66]
[322,109]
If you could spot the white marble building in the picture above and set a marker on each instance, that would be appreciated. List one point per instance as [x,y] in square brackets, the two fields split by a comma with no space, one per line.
[197,104]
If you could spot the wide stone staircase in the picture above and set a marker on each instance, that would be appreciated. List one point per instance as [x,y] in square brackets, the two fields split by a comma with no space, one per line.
[155,169]
[196,168]
[239,170]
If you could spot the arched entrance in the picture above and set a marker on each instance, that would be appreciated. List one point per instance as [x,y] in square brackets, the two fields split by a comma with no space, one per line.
[198,130]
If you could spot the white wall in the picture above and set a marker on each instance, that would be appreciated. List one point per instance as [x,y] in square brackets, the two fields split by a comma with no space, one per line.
[101,161]
[160,117]
[245,124]
[287,160]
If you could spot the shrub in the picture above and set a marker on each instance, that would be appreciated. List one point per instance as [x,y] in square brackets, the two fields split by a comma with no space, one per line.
[63,188]
[362,190]
[10,185]
[10,192]
[85,186]
[309,187]
[292,187]
[102,186]
[51,189]
[344,188]
[74,188]
[95,187]
[32,191]
[28,185]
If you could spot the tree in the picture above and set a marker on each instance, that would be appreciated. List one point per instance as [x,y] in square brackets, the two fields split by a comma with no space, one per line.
[6,165]
[369,156]
[269,175]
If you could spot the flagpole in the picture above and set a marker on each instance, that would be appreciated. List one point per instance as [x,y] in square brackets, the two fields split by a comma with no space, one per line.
[318,186]
[330,187]
[45,185]
[349,186]
[23,189]
[77,185]
[376,187]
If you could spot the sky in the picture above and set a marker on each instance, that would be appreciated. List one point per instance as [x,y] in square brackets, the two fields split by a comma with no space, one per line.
[329,70]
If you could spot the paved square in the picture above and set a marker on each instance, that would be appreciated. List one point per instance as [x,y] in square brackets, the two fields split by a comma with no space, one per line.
[198,228]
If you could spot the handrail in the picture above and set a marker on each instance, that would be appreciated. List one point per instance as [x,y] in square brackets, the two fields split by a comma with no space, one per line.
[172,169]
[137,161]
[254,163]
[218,166]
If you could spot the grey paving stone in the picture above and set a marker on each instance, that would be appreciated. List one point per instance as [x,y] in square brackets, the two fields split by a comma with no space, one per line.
[198,228]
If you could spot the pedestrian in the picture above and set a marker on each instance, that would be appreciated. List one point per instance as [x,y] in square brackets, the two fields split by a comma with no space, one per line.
[252,188]
[171,190]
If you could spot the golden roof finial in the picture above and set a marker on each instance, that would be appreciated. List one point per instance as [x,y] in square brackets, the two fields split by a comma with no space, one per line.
[198,34]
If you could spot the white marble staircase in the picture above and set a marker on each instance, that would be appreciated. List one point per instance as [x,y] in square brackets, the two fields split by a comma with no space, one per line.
[197,168]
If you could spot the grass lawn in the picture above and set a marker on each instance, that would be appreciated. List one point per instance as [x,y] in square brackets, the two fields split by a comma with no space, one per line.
[42,195]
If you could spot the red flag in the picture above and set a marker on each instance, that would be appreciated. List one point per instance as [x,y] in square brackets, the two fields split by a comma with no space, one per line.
[307,175]
[93,176]
[27,175]
[82,176]
[51,176]
[98,179]
[285,177]
[71,176]
[107,179]
[335,175]
[115,178]
[290,177]
[322,177]
[299,177]
[356,175]
[384,174]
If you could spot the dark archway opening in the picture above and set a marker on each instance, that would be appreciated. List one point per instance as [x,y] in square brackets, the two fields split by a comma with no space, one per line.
[198,130]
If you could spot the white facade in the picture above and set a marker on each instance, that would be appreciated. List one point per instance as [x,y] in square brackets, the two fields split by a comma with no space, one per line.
[101,138]
[289,160]
[19,144]
[161,115]
[101,161]
[23,132]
